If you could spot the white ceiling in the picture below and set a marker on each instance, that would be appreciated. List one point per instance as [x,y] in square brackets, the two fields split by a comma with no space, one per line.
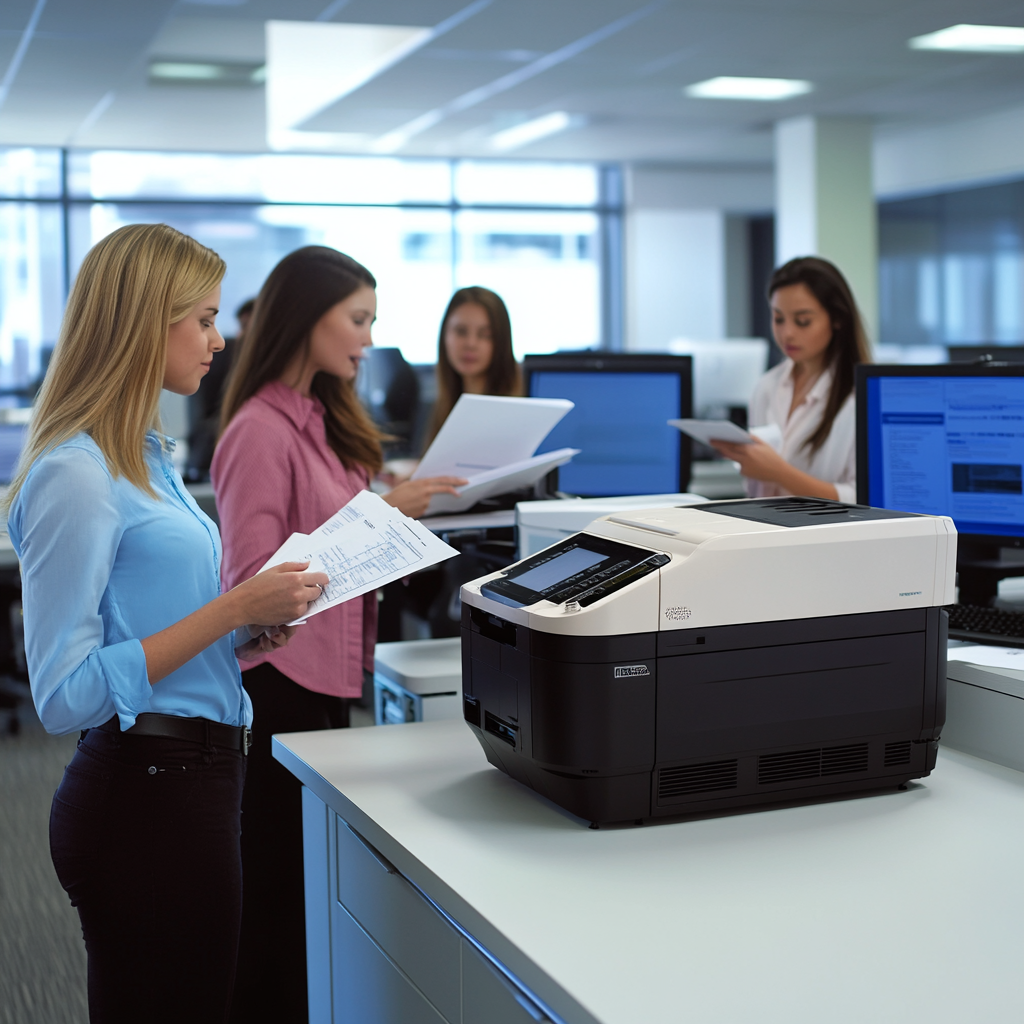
[83,79]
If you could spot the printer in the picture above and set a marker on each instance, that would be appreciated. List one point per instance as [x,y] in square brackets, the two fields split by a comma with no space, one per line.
[673,661]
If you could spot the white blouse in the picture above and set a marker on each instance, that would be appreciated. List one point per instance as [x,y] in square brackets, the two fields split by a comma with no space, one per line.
[835,461]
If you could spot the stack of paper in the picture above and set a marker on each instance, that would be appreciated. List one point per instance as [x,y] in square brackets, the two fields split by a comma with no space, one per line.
[361,547]
[490,441]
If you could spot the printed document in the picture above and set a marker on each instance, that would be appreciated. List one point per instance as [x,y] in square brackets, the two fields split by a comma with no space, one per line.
[707,431]
[489,440]
[361,547]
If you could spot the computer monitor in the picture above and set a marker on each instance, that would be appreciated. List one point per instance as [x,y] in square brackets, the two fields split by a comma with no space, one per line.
[623,402]
[725,371]
[947,440]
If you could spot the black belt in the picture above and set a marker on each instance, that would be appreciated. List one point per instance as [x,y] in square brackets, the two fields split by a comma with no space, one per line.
[194,730]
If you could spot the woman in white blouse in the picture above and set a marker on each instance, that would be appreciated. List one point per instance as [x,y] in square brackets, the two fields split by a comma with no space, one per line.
[809,395]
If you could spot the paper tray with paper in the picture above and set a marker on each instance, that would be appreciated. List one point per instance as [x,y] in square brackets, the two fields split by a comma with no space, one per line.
[363,546]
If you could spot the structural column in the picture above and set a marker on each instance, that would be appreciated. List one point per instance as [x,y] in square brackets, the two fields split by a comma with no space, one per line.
[825,202]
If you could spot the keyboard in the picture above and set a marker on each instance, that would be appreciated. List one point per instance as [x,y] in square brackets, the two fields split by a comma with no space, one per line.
[985,625]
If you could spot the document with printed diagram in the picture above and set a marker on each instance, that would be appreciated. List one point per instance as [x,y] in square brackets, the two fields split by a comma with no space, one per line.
[363,546]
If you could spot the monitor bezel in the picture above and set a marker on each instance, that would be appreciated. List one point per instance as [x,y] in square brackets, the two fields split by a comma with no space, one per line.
[865,372]
[625,362]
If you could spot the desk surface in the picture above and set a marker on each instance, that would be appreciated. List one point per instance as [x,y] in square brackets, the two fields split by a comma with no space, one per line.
[879,909]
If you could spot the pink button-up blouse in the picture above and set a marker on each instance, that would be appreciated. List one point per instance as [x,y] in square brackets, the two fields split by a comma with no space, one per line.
[274,474]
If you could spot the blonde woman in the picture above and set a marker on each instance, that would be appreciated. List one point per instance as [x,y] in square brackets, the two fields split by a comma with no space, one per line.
[130,640]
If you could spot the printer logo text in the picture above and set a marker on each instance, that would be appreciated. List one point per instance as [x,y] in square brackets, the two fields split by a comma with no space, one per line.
[628,671]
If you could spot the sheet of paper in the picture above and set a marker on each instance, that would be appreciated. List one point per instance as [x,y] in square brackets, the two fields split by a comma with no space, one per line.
[487,432]
[292,550]
[500,481]
[365,545]
[707,430]
[990,657]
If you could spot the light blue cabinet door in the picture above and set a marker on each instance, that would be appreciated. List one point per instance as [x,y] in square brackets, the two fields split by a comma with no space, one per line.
[316,837]
[368,989]
[399,920]
[490,998]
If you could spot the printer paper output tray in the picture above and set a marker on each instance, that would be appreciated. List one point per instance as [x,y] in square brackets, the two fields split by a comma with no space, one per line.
[699,720]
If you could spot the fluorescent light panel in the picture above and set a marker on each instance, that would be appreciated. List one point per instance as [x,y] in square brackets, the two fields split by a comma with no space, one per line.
[311,65]
[972,39]
[733,88]
[531,131]
[206,72]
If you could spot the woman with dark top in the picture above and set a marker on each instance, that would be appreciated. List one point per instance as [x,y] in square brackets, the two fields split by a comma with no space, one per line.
[130,640]
[296,446]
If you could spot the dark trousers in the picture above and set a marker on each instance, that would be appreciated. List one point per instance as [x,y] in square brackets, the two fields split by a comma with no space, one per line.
[271,981]
[144,834]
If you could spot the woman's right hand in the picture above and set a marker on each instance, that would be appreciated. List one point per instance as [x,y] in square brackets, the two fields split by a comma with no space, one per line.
[412,497]
[278,594]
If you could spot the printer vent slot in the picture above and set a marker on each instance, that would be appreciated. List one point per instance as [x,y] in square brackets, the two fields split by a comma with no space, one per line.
[897,753]
[697,778]
[812,764]
[842,760]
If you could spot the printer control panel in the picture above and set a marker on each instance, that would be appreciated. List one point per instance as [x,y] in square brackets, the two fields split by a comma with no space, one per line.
[582,569]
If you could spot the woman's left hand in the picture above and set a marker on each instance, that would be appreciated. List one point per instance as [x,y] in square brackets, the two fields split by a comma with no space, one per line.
[758,460]
[264,640]
[413,496]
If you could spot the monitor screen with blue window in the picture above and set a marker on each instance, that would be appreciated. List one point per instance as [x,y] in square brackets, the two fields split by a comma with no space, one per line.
[623,402]
[945,440]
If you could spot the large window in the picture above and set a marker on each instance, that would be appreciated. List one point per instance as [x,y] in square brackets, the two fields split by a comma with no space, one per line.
[542,235]
[952,268]
[531,232]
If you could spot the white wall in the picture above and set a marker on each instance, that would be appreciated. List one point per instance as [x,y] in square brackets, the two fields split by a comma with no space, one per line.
[825,203]
[685,252]
[948,155]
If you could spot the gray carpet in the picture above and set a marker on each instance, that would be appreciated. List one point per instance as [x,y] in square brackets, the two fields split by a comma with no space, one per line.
[42,956]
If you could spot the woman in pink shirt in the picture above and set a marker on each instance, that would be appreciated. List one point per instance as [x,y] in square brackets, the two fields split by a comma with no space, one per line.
[296,446]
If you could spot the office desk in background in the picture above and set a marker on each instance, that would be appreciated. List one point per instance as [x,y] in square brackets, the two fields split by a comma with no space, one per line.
[874,908]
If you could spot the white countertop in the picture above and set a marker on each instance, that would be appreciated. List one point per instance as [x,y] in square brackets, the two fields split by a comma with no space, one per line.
[882,908]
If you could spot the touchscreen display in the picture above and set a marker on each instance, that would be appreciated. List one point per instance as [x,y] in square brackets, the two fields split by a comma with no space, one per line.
[586,569]
[560,568]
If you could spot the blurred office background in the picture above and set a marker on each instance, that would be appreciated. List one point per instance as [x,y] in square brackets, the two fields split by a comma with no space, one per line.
[624,173]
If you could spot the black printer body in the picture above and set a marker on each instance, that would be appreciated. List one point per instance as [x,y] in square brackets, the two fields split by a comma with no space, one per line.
[687,718]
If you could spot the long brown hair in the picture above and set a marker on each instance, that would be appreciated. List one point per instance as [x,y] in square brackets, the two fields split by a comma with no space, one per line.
[298,292]
[849,345]
[108,366]
[502,373]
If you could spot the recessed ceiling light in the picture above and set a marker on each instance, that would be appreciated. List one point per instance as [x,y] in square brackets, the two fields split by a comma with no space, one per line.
[531,131]
[311,65]
[205,72]
[972,39]
[731,88]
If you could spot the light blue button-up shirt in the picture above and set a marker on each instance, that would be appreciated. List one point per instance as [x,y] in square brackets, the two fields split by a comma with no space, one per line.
[104,565]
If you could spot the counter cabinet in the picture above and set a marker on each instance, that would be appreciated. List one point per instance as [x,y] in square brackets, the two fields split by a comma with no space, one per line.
[379,950]
[458,895]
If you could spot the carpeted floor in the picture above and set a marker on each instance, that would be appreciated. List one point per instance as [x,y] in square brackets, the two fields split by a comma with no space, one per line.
[42,956]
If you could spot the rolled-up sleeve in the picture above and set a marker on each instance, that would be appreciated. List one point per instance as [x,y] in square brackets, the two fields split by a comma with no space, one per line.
[66,528]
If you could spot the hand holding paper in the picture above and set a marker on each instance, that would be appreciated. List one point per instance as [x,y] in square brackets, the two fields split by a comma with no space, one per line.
[363,546]
[490,441]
